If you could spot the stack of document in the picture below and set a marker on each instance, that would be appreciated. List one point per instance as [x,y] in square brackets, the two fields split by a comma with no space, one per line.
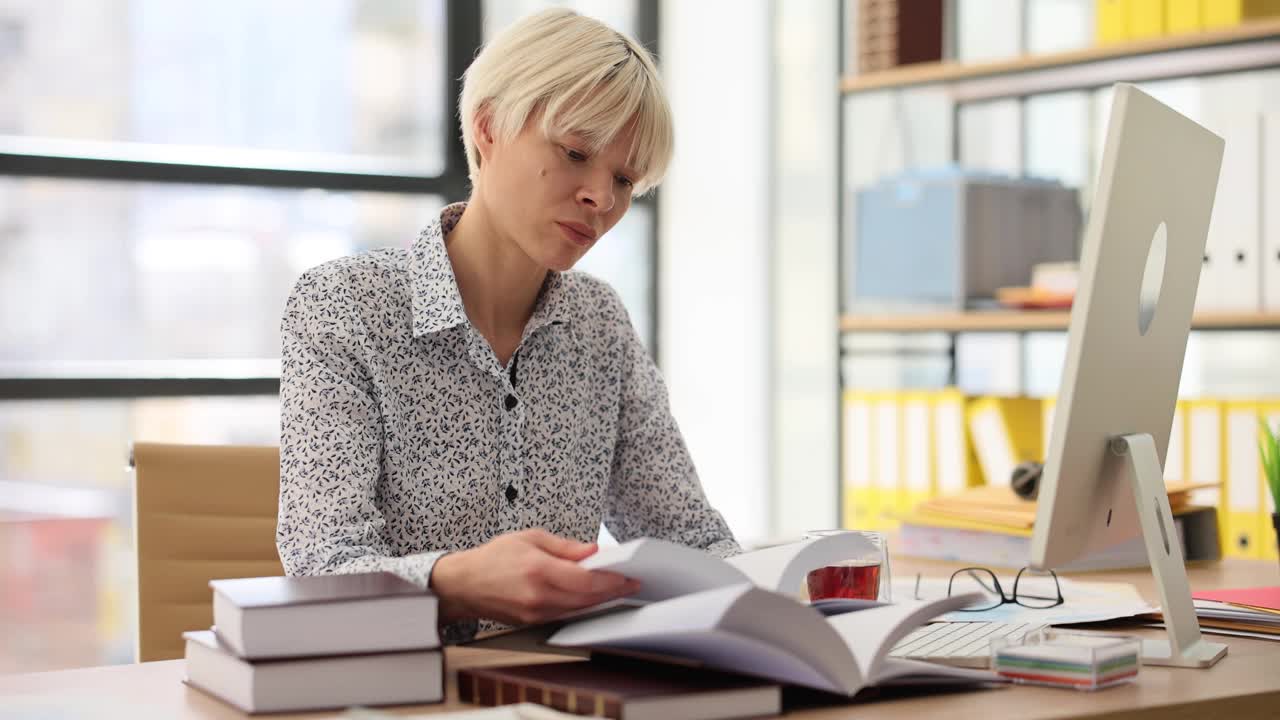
[1246,612]
[991,526]
[1255,611]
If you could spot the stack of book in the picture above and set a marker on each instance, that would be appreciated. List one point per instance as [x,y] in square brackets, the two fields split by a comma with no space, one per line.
[309,643]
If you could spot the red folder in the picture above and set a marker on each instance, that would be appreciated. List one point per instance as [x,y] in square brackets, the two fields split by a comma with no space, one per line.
[1263,598]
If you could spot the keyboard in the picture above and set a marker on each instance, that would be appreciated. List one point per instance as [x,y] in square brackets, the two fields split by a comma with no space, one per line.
[962,644]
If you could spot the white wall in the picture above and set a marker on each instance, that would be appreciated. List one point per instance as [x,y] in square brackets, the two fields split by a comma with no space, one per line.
[804,492]
[713,235]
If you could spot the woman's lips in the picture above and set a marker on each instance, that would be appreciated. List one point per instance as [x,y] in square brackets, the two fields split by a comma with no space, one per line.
[577,236]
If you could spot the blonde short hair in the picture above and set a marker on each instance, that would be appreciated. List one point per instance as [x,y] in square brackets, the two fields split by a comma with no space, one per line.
[577,75]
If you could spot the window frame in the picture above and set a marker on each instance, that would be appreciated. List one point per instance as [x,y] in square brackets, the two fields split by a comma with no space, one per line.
[124,161]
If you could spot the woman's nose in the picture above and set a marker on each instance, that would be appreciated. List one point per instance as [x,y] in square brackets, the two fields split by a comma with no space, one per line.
[596,195]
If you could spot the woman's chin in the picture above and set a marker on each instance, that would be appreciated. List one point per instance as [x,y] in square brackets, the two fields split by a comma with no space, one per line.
[562,261]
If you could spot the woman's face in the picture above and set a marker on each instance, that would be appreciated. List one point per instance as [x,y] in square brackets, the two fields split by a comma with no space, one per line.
[551,195]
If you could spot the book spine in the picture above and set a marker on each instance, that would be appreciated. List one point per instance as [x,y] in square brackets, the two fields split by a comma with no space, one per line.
[481,688]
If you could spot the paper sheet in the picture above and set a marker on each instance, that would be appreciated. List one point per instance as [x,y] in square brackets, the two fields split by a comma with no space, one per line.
[1085,602]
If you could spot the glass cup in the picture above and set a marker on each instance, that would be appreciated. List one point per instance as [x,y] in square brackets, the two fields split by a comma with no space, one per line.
[863,577]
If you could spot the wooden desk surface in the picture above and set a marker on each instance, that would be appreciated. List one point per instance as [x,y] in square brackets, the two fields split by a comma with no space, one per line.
[1245,684]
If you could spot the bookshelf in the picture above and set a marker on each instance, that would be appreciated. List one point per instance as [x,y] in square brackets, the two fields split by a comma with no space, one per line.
[1025,321]
[1247,46]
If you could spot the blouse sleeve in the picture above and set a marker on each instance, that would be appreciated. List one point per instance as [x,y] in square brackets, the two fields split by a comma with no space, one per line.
[654,489]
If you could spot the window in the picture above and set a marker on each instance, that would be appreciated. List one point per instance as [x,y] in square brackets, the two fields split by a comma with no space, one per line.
[147,271]
[166,172]
[333,77]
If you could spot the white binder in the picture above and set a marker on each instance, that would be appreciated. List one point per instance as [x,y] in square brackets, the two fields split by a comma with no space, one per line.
[951,440]
[988,29]
[1204,451]
[917,451]
[1231,277]
[856,454]
[1244,486]
[887,456]
[1270,252]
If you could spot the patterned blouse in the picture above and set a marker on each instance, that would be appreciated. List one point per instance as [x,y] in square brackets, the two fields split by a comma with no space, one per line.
[403,438]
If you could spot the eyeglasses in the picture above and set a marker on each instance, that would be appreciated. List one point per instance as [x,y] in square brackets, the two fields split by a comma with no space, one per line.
[983,582]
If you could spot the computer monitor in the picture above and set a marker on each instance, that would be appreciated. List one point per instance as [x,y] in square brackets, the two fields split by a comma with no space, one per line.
[1140,265]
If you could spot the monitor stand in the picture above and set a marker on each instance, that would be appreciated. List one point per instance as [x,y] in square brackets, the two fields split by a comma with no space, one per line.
[1185,646]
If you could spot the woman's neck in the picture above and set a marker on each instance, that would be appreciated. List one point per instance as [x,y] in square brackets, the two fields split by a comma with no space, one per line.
[499,283]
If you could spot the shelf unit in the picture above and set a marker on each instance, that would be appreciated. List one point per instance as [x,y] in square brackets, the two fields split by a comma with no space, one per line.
[1023,321]
[1250,46]
[1244,47]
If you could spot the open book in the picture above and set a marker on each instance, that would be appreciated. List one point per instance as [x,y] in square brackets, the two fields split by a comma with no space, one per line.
[745,629]
[742,615]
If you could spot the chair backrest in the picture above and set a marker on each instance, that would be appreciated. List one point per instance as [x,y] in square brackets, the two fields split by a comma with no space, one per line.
[200,513]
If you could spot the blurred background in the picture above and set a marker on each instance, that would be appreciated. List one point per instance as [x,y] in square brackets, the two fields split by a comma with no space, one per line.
[167,170]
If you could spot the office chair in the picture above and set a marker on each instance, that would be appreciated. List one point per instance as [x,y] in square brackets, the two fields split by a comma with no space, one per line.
[200,513]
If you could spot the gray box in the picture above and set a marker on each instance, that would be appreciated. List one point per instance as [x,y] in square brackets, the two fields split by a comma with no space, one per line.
[947,239]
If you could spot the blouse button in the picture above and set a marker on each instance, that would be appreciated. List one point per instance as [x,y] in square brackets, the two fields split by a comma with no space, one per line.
[511,402]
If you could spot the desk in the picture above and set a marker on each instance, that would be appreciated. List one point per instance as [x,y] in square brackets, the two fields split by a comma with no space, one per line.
[1245,684]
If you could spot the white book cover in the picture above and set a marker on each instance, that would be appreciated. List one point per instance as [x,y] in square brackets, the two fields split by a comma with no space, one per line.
[314,683]
[273,617]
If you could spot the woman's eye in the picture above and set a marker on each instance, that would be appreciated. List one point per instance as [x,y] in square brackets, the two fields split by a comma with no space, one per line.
[625,181]
[574,155]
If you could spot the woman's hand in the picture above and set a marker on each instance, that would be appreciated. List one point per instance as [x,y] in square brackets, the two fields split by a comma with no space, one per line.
[523,577]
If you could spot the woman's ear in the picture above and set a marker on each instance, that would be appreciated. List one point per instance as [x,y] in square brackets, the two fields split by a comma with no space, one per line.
[482,131]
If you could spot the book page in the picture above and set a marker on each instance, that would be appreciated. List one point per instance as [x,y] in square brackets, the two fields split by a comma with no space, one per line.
[665,570]
[780,621]
[783,568]
[871,634]
[694,627]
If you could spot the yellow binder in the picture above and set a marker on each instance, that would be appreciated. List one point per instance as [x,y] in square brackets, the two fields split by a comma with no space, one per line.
[1112,21]
[1048,406]
[1145,18]
[955,467]
[1175,460]
[886,464]
[1225,13]
[855,453]
[1005,432]
[1205,458]
[1244,489]
[1267,546]
[917,451]
[1181,16]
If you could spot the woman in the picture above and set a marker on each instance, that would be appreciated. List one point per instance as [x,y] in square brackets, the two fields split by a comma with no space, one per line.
[465,413]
